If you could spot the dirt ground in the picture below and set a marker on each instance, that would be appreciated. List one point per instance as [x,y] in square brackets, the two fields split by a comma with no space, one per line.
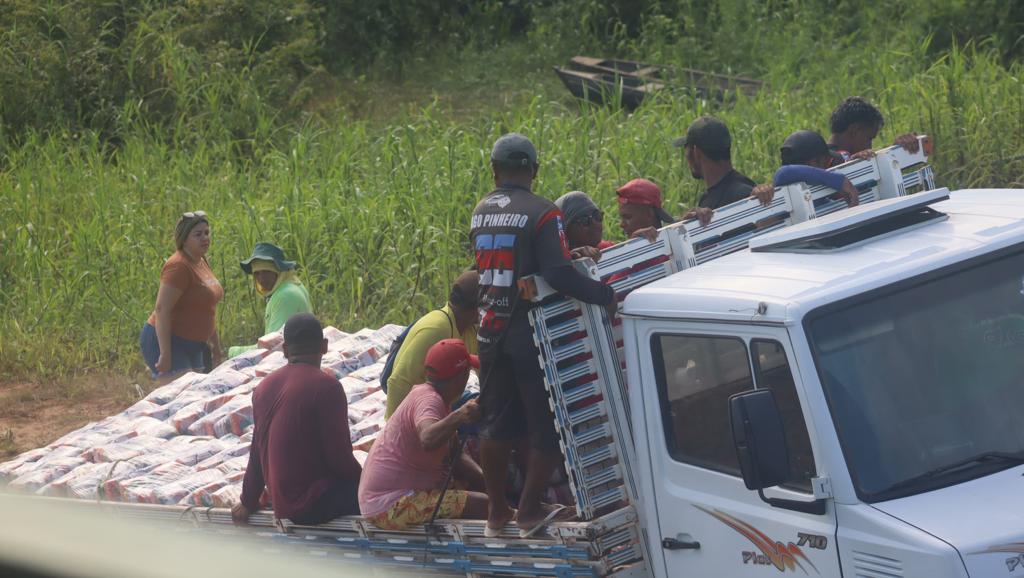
[35,414]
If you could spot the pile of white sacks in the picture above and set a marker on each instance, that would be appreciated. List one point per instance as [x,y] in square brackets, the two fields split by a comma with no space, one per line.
[187,443]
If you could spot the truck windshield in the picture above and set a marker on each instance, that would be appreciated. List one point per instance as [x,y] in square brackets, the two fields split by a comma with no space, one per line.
[926,383]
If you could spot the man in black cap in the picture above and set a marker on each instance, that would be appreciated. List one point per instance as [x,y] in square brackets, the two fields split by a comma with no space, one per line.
[301,445]
[708,147]
[516,233]
[805,157]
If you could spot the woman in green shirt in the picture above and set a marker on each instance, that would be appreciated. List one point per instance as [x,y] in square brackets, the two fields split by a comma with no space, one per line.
[276,280]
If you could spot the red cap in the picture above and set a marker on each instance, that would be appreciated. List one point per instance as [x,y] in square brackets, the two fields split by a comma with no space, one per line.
[643,192]
[448,358]
[640,192]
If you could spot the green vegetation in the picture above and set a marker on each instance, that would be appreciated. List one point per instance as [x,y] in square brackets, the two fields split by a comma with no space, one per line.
[358,140]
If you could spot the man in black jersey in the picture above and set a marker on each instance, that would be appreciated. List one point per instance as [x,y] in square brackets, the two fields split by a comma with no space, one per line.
[515,233]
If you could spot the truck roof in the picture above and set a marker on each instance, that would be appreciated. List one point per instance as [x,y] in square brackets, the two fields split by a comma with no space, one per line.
[779,286]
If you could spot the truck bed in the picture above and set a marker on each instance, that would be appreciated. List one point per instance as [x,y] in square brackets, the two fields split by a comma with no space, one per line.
[606,546]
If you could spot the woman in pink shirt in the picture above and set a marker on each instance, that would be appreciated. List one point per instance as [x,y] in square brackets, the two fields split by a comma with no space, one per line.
[404,475]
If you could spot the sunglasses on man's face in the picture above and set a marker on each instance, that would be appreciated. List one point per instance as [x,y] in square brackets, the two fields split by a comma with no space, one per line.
[194,215]
[595,217]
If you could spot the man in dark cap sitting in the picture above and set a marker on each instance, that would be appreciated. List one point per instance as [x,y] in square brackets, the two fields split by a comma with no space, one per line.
[805,157]
[708,147]
[301,445]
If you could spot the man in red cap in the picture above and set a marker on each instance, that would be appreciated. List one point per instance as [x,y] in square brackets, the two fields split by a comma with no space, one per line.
[640,208]
[404,475]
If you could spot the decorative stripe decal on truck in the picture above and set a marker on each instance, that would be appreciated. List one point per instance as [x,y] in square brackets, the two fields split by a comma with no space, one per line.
[782,556]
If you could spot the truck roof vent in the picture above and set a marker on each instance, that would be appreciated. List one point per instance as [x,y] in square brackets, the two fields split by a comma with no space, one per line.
[849,228]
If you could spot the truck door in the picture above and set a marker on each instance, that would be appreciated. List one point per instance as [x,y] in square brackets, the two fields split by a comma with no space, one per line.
[689,373]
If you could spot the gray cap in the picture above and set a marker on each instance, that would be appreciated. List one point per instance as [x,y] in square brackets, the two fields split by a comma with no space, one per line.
[514,150]
[575,205]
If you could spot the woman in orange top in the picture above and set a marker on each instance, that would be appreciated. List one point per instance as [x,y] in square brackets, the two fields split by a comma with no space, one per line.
[180,332]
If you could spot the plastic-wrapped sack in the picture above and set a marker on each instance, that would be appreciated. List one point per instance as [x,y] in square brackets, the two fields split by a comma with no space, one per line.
[162,395]
[217,401]
[143,489]
[370,425]
[333,335]
[270,364]
[242,449]
[337,365]
[87,470]
[151,427]
[181,488]
[227,496]
[247,359]
[221,380]
[187,416]
[203,495]
[272,340]
[44,474]
[355,389]
[368,373]
[29,457]
[231,417]
[198,450]
[236,464]
[141,407]
[367,406]
[125,450]
[389,332]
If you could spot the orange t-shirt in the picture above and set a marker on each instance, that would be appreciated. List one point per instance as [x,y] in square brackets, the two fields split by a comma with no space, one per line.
[194,314]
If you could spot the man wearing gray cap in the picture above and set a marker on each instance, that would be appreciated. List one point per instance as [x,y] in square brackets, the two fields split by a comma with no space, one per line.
[584,225]
[516,233]
[708,147]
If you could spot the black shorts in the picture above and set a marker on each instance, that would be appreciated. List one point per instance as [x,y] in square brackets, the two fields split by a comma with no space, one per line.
[513,400]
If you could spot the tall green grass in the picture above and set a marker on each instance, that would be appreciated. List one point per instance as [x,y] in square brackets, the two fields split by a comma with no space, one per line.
[377,213]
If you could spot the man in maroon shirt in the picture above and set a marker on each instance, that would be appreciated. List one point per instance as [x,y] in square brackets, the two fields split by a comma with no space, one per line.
[301,446]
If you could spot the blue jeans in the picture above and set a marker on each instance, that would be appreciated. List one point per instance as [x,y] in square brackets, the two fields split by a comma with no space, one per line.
[186,355]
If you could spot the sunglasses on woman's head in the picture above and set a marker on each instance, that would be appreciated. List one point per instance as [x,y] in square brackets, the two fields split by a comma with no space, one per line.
[596,216]
[194,215]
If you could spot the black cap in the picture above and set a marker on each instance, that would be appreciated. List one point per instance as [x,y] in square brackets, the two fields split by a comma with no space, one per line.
[303,329]
[514,150]
[804,146]
[708,134]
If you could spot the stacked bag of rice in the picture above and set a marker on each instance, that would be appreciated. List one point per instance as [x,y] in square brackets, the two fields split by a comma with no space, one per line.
[187,443]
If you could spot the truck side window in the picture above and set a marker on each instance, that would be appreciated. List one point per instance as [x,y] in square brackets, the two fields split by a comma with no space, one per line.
[771,369]
[696,375]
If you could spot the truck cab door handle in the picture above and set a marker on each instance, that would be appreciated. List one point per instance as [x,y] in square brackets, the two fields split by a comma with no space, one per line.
[673,544]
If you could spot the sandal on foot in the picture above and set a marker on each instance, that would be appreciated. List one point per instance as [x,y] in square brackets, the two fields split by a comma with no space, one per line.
[531,532]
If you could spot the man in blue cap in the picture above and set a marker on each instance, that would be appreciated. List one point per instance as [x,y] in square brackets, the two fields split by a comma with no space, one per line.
[516,233]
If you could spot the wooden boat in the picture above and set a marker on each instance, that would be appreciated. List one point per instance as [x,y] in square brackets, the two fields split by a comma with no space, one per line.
[601,75]
[605,88]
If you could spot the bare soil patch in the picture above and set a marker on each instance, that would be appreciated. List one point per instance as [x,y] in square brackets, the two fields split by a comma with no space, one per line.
[33,414]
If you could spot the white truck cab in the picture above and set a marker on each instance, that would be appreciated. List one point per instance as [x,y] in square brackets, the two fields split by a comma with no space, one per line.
[883,347]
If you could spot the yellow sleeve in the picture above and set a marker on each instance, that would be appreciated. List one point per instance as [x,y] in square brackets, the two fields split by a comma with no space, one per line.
[408,370]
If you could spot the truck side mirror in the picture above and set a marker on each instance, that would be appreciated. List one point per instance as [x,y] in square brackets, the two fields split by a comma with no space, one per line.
[761,448]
